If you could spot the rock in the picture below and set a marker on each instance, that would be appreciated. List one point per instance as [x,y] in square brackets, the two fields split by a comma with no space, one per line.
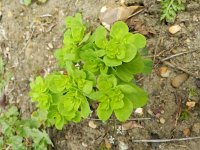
[164,72]
[84,144]
[139,111]
[195,18]
[92,124]
[130,125]
[190,104]
[179,80]
[123,146]
[50,45]
[150,112]
[162,120]
[186,132]
[10,14]
[196,128]
[174,29]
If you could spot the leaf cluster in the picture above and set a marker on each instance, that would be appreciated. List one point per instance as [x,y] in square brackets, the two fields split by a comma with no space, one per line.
[17,134]
[100,67]
[170,8]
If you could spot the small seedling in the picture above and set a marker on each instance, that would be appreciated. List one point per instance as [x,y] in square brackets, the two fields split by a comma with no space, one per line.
[99,67]
[170,8]
[28,2]
[17,134]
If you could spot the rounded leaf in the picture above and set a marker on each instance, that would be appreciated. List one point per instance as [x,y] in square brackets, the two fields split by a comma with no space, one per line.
[103,114]
[118,30]
[138,40]
[57,83]
[100,37]
[85,108]
[111,62]
[124,113]
[130,52]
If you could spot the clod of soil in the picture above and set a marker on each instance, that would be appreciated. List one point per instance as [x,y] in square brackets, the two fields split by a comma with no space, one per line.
[179,80]
[196,128]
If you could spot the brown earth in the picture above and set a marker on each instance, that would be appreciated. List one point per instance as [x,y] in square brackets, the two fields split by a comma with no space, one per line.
[33,33]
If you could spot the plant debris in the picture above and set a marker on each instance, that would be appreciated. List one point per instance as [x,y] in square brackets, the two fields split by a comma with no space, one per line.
[136,24]
[109,15]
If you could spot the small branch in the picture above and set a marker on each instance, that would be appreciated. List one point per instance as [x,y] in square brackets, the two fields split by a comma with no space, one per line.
[157,44]
[134,119]
[180,68]
[178,54]
[166,140]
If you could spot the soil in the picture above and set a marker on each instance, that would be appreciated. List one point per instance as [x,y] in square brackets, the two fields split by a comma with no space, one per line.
[30,35]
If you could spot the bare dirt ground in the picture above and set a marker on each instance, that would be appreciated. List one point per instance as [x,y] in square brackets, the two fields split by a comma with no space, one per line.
[30,35]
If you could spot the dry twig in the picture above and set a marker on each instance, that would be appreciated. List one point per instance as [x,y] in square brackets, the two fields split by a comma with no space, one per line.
[167,140]
[134,119]
[179,68]
[178,54]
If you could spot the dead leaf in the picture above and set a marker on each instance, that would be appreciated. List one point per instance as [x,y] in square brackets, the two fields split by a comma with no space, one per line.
[136,24]
[186,132]
[109,15]
[130,125]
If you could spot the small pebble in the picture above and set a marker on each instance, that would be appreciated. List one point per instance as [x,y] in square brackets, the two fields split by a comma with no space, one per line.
[164,72]
[92,124]
[10,15]
[190,104]
[84,144]
[162,120]
[186,132]
[179,80]
[174,29]
[150,112]
[50,45]
[123,146]
[139,111]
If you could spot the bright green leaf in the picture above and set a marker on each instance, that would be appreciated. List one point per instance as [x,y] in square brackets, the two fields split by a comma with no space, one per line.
[85,108]
[118,30]
[124,113]
[100,37]
[103,114]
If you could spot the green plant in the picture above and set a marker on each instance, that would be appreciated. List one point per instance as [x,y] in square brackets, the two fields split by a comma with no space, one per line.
[17,134]
[99,68]
[170,8]
[28,2]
